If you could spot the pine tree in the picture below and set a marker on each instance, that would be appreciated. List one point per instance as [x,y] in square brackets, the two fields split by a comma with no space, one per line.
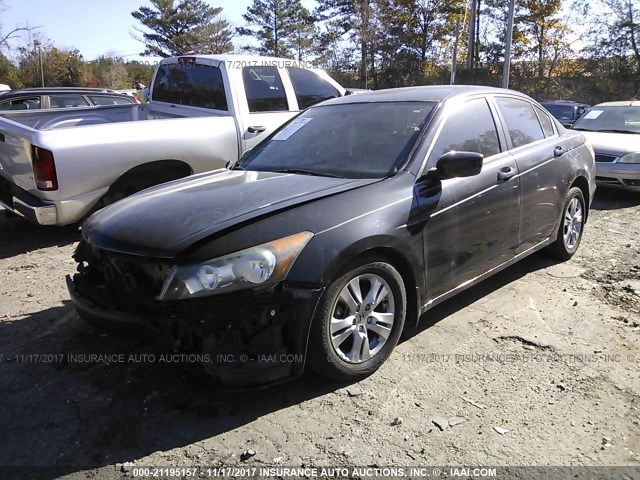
[184,27]
[278,25]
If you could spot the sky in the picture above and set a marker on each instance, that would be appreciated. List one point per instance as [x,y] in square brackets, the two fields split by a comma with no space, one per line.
[97,27]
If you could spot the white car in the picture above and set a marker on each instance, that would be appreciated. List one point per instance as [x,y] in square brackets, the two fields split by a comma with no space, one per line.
[613,129]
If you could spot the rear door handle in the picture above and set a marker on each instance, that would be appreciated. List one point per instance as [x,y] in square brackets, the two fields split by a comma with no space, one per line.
[559,151]
[257,129]
[506,173]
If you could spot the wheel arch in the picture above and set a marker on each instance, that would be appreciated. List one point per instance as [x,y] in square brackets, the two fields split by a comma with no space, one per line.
[583,184]
[400,262]
[167,167]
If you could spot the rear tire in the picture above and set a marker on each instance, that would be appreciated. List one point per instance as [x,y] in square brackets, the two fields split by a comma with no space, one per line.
[571,227]
[358,322]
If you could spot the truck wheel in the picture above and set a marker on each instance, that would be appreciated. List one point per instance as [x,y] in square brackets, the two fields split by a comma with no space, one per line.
[358,322]
[571,226]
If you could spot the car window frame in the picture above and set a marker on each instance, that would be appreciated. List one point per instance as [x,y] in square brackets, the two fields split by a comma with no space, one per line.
[505,127]
[539,109]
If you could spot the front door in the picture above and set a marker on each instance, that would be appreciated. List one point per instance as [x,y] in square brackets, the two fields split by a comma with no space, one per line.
[474,224]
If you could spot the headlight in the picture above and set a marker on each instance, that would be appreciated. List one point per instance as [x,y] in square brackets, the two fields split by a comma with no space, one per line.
[630,158]
[262,265]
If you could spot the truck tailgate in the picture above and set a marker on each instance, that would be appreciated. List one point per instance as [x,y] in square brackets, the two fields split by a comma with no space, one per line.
[15,154]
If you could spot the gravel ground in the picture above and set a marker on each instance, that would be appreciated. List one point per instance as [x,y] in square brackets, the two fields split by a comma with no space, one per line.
[538,365]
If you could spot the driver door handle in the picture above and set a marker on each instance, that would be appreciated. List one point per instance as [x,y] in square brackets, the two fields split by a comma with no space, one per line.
[257,129]
[559,151]
[506,173]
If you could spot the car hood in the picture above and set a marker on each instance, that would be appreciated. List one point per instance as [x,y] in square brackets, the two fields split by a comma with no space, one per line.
[614,143]
[163,221]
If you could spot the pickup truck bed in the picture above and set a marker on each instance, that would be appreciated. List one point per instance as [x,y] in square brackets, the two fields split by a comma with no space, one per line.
[57,166]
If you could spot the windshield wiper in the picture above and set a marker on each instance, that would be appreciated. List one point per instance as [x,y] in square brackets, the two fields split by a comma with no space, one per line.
[301,171]
[616,131]
[581,129]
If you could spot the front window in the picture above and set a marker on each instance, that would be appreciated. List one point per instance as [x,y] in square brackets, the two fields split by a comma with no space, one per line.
[355,140]
[622,119]
[67,101]
[310,88]
[264,89]
[190,83]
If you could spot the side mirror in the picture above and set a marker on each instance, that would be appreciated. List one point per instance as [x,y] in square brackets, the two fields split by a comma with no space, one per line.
[459,164]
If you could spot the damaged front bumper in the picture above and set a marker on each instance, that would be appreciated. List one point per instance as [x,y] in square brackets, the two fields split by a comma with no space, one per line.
[250,338]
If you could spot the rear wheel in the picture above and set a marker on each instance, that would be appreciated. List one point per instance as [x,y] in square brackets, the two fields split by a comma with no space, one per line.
[359,322]
[571,226]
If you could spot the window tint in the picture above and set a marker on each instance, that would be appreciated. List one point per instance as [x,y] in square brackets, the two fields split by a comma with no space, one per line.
[469,129]
[545,121]
[31,103]
[192,84]
[310,88]
[109,100]
[264,89]
[521,120]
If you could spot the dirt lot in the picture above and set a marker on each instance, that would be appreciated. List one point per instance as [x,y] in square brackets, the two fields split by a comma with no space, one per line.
[548,352]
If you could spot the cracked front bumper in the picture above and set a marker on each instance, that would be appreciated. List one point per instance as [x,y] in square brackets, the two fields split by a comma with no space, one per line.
[247,339]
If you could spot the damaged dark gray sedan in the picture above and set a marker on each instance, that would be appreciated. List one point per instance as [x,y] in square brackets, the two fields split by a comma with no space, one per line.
[337,232]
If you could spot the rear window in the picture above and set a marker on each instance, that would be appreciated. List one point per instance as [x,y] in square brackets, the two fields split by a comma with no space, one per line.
[109,100]
[190,84]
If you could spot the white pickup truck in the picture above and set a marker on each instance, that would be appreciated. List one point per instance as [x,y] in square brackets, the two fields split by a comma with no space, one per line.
[204,111]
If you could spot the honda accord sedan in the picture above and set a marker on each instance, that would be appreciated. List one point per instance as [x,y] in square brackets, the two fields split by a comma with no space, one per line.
[613,129]
[335,234]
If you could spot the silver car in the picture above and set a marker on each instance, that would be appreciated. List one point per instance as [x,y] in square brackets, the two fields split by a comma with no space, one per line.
[613,129]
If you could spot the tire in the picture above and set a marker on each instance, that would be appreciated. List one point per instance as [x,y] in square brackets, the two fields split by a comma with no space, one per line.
[347,339]
[571,226]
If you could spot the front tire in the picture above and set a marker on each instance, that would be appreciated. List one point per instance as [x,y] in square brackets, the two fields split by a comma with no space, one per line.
[358,323]
[571,228]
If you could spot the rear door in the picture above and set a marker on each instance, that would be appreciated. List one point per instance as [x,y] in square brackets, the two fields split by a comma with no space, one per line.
[474,226]
[536,146]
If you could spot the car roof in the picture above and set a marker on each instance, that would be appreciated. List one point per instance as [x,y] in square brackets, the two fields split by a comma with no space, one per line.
[47,90]
[626,103]
[432,93]
[562,102]
[254,59]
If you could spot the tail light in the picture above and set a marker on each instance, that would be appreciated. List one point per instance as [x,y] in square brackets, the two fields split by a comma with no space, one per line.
[44,169]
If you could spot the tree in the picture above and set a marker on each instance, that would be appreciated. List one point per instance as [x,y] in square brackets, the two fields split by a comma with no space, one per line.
[359,20]
[7,35]
[62,67]
[185,27]
[278,25]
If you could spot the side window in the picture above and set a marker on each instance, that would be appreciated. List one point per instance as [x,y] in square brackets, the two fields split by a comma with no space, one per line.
[470,129]
[67,101]
[310,88]
[521,120]
[264,89]
[30,103]
[545,121]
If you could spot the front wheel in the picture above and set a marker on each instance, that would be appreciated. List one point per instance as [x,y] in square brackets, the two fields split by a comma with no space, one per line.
[358,323]
[571,226]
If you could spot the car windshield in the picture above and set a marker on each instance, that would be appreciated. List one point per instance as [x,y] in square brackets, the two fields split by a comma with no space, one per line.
[356,140]
[561,112]
[620,119]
